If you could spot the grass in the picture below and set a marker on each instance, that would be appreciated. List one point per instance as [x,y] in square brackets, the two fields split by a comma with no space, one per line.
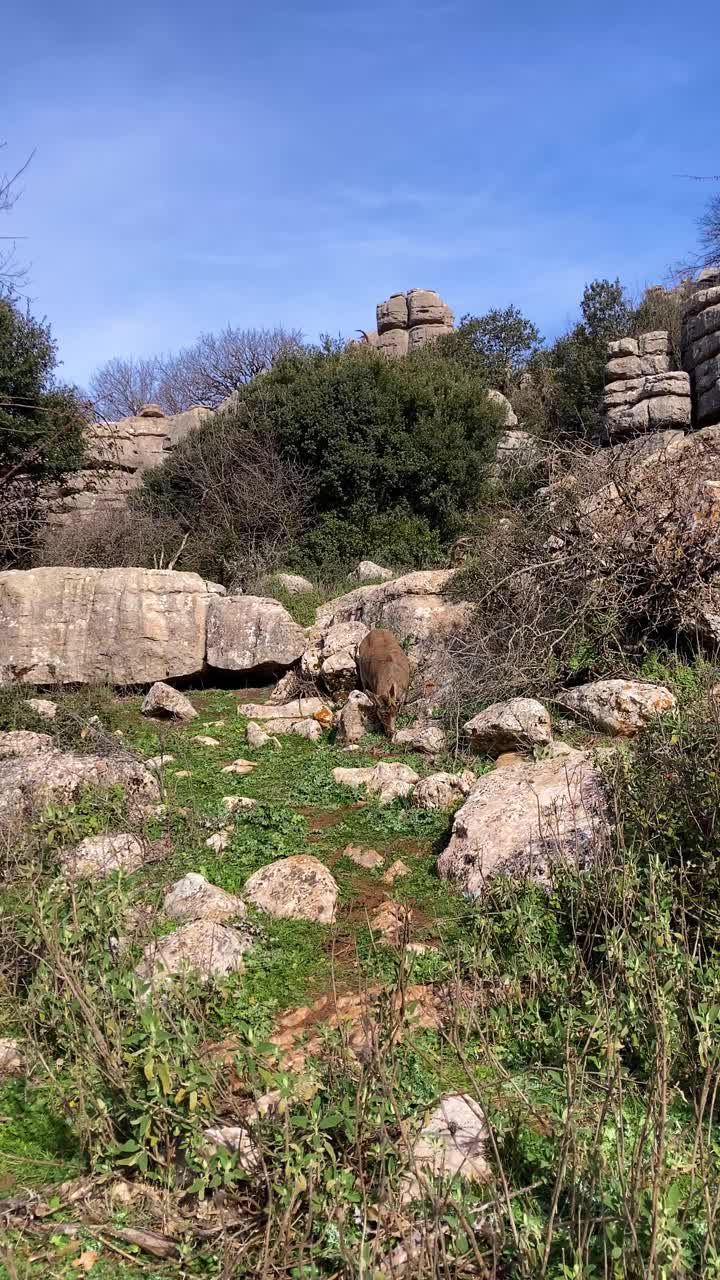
[585,1020]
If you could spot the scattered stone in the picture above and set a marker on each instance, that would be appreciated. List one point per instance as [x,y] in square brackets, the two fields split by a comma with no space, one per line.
[217,724]
[425,737]
[520,724]
[388,781]
[49,777]
[162,700]
[12,1061]
[298,709]
[99,856]
[330,657]
[203,947]
[194,898]
[368,571]
[310,729]
[619,707]
[298,888]
[325,718]
[252,634]
[362,857]
[23,742]
[521,821]
[235,1139]
[293,583]
[231,803]
[357,718]
[42,707]
[451,1144]
[395,871]
[440,790]
[239,766]
[392,921]
[256,736]
[204,740]
[182,773]
[219,841]
[158,762]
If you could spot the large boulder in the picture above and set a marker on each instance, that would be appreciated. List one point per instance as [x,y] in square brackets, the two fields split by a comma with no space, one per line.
[368,571]
[194,898]
[441,790]
[388,780]
[98,856]
[619,707]
[517,725]
[164,702]
[416,610]
[330,656]
[523,819]
[201,947]
[15,743]
[293,583]
[252,635]
[426,738]
[453,1143]
[81,626]
[298,888]
[48,776]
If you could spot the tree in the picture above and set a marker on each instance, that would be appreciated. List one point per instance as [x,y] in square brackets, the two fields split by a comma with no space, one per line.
[497,344]
[710,233]
[41,425]
[10,272]
[205,373]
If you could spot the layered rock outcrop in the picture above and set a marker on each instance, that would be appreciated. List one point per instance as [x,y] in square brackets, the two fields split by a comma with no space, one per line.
[701,346]
[643,393]
[406,321]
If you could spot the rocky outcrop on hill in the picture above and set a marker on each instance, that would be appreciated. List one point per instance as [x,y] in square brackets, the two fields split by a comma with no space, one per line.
[642,392]
[701,345]
[118,453]
[81,626]
[406,321]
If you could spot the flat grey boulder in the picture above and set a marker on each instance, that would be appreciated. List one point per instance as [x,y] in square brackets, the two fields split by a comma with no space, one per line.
[99,856]
[440,790]
[619,707]
[202,947]
[252,635]
[194,898]
[524,819]
[452,1143]
[80,626]
[15,743]
[163,701]
[388,781]
[298,709]
[298,888]
[426,738]
[517,725]
[310,729]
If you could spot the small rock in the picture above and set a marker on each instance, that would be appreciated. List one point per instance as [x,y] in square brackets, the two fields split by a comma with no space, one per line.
[203,947]
[238,1141]
[182,773]
[440,790]
[452,1143]
[520,724]
[99,856]
[293,583]
[204,740]
[395,871]
[231,803]
[356,719]
[217,724]
[298,709]
[159,762]
[239,766]
[298,888]
[194,898]
[427,738]
[162,700]
[619,707]
[368,571]
[362,857]
[389,781]
[507,759]
[42,707]
[255,735]
[12,1062]
[23,742]
[219,841]
[392,921]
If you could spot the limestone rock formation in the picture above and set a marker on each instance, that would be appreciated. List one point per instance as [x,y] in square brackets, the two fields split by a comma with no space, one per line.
[440,790]
[368,571]
[388,781]
[424,737]
[201,947]
[252,635]
[509,417]
[23,742]
[406,321]
[118,453]
[50,776]
[298,709]
[642,392]
[356,719]
[452,1143]
[297,888]
[330,656]
[517,725]
[523,819]
[701,345]
[99,856]
[194,898]
[43,707]
[619,707]
[163,701]
[293,583]
[81,626]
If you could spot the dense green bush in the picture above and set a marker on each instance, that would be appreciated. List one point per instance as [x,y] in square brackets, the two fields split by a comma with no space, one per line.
[385,458]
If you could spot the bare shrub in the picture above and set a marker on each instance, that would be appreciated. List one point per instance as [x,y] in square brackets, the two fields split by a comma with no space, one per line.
[616,553]
[114,539]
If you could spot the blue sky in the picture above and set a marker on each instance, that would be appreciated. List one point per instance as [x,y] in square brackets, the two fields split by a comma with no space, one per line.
[275,162]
